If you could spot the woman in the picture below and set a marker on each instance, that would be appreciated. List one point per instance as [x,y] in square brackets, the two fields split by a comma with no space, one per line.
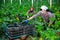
[30,12]
[45,14]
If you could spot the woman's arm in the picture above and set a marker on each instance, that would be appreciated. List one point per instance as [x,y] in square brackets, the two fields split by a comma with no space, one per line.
[27,13]
[34,16]
[52,18]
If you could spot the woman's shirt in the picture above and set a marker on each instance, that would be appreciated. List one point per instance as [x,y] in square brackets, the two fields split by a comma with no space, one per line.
[45,18]
[30,13]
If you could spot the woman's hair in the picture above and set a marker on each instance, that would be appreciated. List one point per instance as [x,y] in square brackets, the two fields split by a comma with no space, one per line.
[40,9]
[48,10]
[32,8]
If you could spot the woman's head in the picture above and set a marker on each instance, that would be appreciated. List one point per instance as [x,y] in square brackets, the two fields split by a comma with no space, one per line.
[24,37]
[31,9]
[44,8]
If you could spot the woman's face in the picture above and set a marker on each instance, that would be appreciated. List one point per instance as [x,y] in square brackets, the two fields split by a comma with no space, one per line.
[31,9]
[44,11]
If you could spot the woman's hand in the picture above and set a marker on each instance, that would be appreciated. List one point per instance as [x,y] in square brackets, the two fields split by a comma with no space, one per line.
[26,21]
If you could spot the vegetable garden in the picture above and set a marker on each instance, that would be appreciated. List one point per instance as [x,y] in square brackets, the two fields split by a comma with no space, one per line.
[14,11]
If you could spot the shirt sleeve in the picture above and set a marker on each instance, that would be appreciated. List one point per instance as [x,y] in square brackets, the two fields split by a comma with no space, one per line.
[34,16]
[27,13]
[52,18]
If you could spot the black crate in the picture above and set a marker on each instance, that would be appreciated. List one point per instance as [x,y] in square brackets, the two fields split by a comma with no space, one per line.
[18,31]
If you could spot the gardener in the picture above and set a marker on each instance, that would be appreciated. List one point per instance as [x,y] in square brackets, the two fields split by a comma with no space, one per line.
[45,14]
[30,12]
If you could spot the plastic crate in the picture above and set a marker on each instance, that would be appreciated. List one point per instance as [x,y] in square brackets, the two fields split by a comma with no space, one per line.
[17,31]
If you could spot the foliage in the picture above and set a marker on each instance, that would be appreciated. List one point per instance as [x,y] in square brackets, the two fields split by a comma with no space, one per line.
[9,14]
